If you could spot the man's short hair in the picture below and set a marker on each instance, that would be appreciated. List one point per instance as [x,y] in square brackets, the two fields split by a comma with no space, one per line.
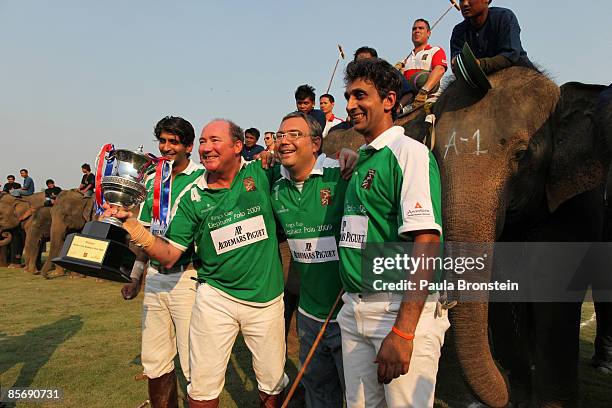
[86,166]
[269,132]
[49,181]
[365,50]
[305,92]
[378,71]
[422,20]
[10,176]
[253,132]
[177,126]
[26,170]
[235,131]
[328,96]
[313,124]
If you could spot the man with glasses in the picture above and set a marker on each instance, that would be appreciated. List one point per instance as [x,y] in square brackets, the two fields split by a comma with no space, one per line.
[269,141]
[308,202]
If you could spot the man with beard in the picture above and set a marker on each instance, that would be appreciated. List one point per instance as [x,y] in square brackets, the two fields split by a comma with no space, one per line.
[169,292]
[226,214]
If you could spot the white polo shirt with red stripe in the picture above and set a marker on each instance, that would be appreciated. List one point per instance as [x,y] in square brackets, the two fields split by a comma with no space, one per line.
[425,60]
[331,123]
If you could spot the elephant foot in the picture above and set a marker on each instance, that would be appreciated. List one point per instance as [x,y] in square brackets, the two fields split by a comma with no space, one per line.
[36,272]
[54,274]
[15,266]
[603,364]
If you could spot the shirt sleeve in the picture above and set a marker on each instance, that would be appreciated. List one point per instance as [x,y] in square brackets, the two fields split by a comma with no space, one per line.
[439,59]
[457,40]
[420,192]
[509,39]
[182,229]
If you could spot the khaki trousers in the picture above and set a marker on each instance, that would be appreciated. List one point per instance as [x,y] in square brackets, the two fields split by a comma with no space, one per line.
[215,323]
[166,313]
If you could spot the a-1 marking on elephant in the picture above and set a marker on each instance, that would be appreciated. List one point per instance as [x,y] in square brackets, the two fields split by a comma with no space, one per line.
[452,142]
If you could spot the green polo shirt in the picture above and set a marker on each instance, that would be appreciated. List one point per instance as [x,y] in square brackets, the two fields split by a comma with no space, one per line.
[394,190]
[181,181]
[234,232]
[311,221]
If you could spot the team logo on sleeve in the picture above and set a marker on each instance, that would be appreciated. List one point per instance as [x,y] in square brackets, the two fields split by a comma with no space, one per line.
[326,196]
[368,179]
[424,57]
[249,184]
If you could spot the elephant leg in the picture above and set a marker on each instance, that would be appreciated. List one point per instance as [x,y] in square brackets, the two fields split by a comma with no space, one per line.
[556,328]
[602,359]
[17,245]
[41,248]
[31,251]
[58,232]
[510,342]
[4,255]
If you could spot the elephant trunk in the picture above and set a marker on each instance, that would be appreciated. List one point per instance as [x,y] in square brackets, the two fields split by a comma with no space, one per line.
[6,239]
[470,228]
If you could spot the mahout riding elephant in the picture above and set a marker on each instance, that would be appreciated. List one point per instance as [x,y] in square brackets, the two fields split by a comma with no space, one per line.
[38,233]
[518,163]
[69,214]
[14,213]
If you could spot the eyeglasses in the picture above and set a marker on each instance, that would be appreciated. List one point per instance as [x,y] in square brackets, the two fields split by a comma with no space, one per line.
[291,135]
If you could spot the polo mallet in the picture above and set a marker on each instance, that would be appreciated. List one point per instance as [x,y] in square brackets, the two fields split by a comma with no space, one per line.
[453,4]
[312,350]
[340,55]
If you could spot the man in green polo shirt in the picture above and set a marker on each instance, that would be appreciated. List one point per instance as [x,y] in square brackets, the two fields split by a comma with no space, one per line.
[227,215]
[169,292]
[308,202]
[391,343]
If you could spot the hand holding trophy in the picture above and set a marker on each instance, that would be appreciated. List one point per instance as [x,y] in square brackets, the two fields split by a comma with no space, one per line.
[101,249]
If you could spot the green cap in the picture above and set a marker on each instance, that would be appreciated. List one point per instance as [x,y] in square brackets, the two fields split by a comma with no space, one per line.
[470,71]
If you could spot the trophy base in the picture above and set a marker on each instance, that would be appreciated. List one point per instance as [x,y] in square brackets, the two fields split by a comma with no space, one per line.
[99,251]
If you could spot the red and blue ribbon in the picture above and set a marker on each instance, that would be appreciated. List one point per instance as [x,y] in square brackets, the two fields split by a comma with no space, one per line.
[104,167]
[162,187]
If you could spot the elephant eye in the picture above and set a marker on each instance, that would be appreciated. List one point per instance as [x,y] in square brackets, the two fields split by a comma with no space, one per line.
[519,154]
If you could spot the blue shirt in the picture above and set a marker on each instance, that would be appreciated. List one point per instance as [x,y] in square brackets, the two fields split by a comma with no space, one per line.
[500,35]
[249,153]
[28,185]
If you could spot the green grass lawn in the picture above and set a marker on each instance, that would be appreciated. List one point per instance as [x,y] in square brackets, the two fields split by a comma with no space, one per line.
[79,335]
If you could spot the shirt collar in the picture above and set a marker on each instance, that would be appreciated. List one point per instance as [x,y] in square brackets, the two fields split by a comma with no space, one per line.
[427,47]
[384,138]
[191,167]
[333,117]
[316,170]
[202,182]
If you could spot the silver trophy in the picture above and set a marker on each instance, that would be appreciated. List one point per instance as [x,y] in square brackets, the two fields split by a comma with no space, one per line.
[101,249]
[125,187]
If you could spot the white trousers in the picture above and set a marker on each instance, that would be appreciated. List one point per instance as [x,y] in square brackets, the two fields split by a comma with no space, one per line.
[215,323]
[166,313]
[364,324]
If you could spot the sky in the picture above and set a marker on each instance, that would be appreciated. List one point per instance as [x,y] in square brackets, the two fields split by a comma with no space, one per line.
[75,75]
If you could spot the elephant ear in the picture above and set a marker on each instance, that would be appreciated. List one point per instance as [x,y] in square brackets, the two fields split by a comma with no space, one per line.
[580,157]
[22,210]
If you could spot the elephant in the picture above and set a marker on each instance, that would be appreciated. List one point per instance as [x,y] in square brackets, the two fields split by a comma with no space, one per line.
[69,214]
[14,213]
[38,232]
[516,163]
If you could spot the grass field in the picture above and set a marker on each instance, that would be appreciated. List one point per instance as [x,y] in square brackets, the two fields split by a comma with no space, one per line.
[81,336]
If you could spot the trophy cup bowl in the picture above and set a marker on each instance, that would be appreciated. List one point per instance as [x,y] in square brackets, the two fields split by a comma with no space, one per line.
[101,249]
